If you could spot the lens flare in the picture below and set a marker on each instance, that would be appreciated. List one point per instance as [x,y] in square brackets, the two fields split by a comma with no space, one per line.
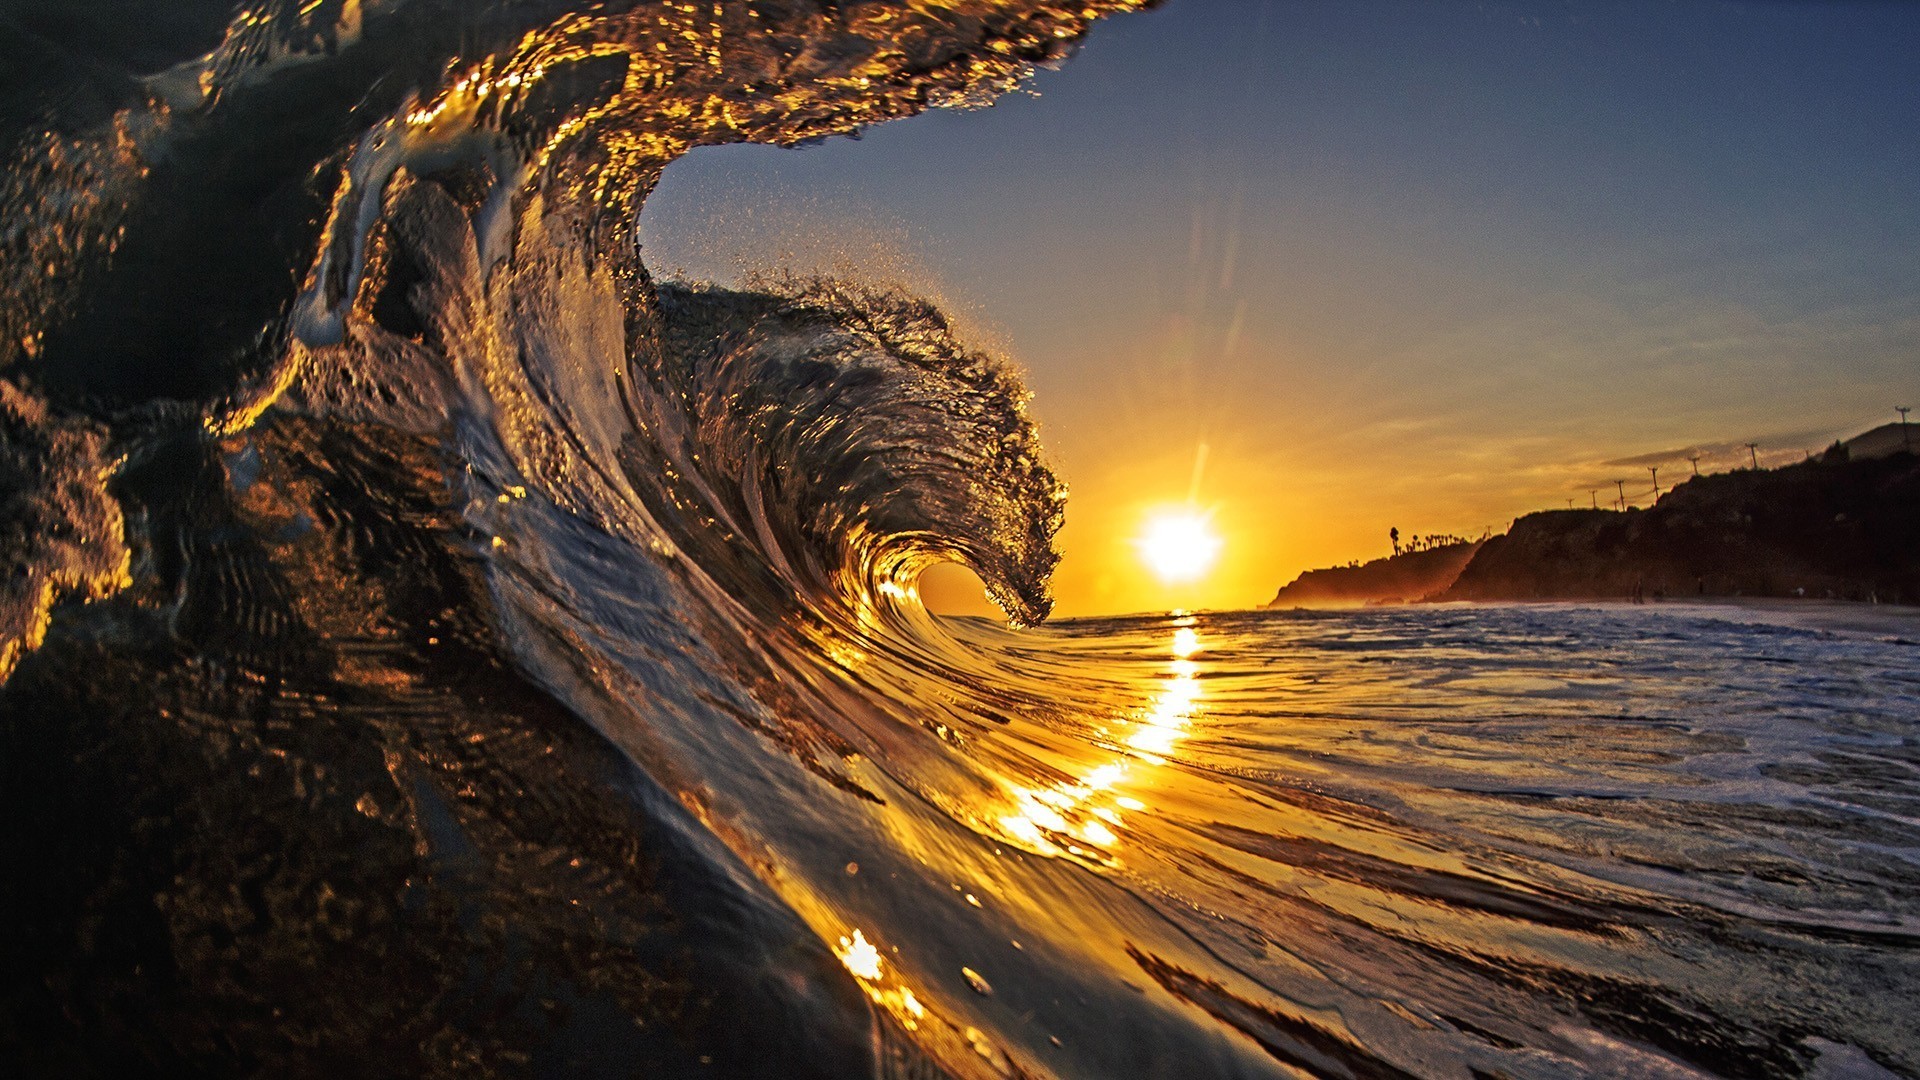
[1179,546]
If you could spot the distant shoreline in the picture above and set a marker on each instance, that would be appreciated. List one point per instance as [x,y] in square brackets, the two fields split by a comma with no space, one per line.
[1839,527]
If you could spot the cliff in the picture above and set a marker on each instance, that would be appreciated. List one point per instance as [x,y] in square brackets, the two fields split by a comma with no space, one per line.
[1409,576]
[1838,527]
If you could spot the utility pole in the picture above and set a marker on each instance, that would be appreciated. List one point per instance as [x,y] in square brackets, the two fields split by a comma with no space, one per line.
[1906,439]
[1752,456]
[1655,470]
[1694,460]
[1621,486]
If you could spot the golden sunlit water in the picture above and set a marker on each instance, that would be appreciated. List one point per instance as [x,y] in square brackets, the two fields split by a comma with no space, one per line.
[1385,814]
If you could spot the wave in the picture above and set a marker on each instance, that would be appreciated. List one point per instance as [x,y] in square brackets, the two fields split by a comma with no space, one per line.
[168,203]
[249,249]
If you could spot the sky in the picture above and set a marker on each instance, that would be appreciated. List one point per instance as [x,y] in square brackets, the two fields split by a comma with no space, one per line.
[1425,266]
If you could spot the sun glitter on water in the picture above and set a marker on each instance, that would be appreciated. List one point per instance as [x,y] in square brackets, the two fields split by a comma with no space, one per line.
[1179,545]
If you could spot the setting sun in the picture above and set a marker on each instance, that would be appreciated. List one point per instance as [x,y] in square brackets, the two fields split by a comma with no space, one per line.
[1179,546]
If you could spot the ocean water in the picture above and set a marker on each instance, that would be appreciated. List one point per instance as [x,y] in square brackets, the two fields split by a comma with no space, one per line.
[434,646]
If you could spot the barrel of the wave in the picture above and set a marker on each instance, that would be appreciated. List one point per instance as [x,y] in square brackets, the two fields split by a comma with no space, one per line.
[157,209]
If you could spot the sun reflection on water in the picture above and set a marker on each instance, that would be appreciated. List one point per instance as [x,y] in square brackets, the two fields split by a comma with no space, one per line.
[1081,818]
[1186,642]
[862,959]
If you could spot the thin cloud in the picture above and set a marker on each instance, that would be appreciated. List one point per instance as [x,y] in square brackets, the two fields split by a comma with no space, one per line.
[1791,445]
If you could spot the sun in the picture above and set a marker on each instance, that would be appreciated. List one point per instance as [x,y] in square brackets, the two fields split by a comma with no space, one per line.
[1179,545]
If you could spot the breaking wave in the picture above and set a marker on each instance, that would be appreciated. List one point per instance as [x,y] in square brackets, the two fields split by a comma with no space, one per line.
[485,658]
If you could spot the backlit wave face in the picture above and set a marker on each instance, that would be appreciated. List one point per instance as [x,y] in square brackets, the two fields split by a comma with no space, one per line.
[209,198]
[848,424]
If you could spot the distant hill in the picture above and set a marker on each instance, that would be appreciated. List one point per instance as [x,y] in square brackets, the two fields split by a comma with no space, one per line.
[1409,576]
[1845,526]
[1884,441]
